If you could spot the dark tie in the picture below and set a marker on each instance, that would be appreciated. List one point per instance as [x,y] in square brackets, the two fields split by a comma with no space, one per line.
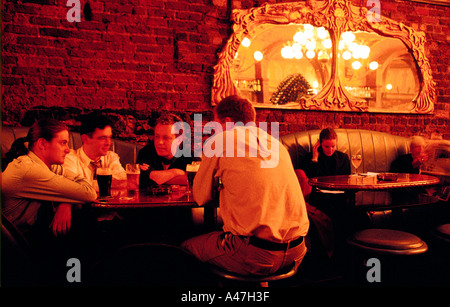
[95,165]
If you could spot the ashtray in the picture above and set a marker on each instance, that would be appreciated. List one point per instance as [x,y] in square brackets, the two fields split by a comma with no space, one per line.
[387,177]
[160,190]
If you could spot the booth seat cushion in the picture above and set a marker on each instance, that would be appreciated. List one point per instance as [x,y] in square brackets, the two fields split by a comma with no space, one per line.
[378,149]
[127,151]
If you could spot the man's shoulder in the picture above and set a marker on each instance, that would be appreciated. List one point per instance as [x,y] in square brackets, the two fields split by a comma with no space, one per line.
[111,153]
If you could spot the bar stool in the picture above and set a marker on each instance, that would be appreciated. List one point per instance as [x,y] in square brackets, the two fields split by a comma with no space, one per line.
[387,245]
[442,232]
[387,241]
[262,280]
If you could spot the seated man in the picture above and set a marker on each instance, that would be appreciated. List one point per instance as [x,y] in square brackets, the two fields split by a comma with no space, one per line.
[411,162]
[262,206]
[158,163]
[37,178]
[96,134]
[37,197]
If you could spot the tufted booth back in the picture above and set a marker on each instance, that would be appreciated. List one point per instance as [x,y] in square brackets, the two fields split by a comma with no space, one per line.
[127,151]
[378,149]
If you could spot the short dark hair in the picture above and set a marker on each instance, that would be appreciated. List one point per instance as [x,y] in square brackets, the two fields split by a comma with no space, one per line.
[93,121]
[327,134]
[167,119]
[237,108]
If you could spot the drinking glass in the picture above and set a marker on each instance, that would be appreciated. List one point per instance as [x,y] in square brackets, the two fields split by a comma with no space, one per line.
[191,171]
[133,173]
[356,161]
[104,178]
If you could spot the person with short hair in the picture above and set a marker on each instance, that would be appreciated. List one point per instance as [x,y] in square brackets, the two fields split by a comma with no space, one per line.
[263,210]
[158,164]
[412,161]
[96,135]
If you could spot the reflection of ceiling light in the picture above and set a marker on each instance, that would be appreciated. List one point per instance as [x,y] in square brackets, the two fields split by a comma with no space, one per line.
[322,33]
[311,45]
[311,41]
[348,37]
[258,55]
[356,65]
[300,37]
[353,46]
[389,86]
[347,55]
[373,65]
[327,43]
[364,51]
[246,42]
[315,84]
[297,50]
[287,52]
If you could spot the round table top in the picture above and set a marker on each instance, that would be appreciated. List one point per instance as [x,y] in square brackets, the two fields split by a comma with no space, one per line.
[371,182]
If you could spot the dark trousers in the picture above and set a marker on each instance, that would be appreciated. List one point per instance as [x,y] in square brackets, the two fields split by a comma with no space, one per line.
[235,254]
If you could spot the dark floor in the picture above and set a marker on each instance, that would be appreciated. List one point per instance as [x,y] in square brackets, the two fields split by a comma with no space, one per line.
[151,258]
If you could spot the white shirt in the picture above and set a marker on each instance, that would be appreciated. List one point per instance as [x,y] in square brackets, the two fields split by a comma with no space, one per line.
[27,182]
[258,198]
[79,163]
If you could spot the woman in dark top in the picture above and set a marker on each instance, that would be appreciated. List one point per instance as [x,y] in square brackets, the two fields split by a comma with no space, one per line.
[325,160]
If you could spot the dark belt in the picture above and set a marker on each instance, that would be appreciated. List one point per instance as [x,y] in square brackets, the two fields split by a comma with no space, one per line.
[273,246]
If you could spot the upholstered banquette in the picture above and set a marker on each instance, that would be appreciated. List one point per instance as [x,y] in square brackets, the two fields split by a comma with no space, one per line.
[378,149]
[127,151]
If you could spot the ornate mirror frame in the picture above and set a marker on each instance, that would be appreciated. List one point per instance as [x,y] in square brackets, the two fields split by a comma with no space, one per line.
[337,16]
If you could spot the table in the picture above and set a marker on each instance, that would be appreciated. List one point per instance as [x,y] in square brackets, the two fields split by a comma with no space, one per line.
[121,198]
[370,182]
[350,184]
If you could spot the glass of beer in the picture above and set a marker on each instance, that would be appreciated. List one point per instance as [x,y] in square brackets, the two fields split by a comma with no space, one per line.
[191,171]
[104,179]
[133,173]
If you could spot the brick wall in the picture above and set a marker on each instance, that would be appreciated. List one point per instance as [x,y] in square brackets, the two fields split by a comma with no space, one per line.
[153,55]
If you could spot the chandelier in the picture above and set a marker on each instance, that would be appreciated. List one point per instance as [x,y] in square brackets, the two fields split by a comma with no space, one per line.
[312,42]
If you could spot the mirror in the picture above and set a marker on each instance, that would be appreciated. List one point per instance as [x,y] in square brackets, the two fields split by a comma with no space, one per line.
[379,70]
[280,71]
[282,56]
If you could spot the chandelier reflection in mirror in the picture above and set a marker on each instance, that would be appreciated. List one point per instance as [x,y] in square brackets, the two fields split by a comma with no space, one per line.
[326,56]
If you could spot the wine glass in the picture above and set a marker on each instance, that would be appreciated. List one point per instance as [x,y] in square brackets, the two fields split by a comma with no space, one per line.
[356,161]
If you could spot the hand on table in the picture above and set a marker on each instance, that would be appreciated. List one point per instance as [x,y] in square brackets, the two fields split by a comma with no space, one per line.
[61,222]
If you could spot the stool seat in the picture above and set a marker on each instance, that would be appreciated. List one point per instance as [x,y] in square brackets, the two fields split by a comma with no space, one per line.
[443,232]
[262,279]
[387,241]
